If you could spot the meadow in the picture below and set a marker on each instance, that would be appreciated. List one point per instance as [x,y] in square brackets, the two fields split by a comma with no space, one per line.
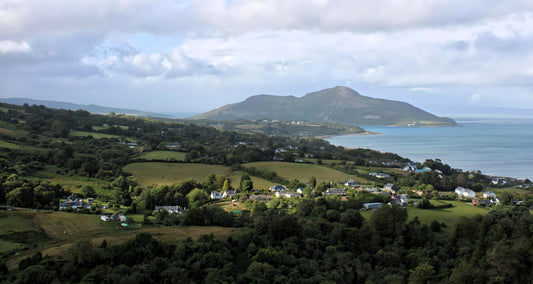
[157,174]
[162,155]
[304,172]
[52,233]
[96,135]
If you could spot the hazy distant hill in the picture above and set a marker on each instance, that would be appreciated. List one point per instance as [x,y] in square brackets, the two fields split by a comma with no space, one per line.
[90,108]
[339,105]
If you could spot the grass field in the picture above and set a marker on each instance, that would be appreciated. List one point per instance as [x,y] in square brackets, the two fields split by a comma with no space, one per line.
[168,173]
[96,135]
[162,155]
[9,145]
[449,216]
[304,172]
[61,230]
[229,206]
[73,183]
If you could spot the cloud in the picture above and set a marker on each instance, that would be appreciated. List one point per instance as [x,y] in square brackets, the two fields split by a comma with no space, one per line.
[7,47]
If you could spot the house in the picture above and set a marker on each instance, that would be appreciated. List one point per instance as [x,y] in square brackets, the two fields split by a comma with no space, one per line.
[105,218]
[229,193]
[114,217]
[175,145]
[335,191]
[409,168]
[122,217]
[74,203]
[481,202]
[351,183]
[390,187]
[371,189]
[288,194]
[300,190]
[380,175]
[215,195]
[489,195]
[260,197]
[465,192]
[278,187]
[170,209]
[373,205]
[399,199]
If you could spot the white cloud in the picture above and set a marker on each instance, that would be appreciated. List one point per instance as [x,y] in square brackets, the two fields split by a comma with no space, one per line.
[7,46]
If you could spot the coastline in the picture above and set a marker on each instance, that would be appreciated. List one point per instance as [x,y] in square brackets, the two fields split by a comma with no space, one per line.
[351,134]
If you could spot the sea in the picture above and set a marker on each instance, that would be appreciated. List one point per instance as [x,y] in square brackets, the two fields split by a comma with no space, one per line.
[496,146]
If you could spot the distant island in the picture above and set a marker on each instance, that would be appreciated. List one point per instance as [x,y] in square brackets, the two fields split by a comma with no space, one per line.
[335,105]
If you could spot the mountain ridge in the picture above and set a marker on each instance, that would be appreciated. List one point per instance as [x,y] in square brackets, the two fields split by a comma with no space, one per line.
[334,105]
[92,108]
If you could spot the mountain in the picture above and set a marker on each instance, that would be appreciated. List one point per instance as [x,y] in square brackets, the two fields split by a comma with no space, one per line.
[335,105]
[90,108]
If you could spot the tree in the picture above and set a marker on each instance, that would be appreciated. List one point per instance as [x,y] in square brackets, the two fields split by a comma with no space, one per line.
[88,191]
[226,186]
[312,182]
[197,198]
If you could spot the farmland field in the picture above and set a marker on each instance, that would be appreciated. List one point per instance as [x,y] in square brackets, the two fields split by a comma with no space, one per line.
[304,172]
[60,230]
[162,155]
[96,135]
[9,145]
[168,173]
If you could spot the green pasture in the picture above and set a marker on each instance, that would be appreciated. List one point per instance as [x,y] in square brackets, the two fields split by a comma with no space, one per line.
[162,155]
[59,230]
[73,183]
[304,172]
[9,145]
[449,216]
[106,126]
[96,135]
[167,173]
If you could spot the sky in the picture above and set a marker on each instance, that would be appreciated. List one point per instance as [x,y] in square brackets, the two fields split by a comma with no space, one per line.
[193,56]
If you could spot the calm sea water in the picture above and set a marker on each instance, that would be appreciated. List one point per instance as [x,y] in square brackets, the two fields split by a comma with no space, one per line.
[495,146]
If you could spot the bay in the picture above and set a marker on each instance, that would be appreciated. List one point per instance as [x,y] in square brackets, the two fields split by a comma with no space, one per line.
[498,146]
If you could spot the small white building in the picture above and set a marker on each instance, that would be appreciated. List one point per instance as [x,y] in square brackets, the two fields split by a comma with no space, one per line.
[278,187]
[465,192]
[351,183]
[489,195]
[373,205]
[105,218]
[215,195]
[229,193]
[122,217]
[288,194]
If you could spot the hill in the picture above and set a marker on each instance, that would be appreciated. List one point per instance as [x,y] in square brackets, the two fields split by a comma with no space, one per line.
[335,105]
[90,108]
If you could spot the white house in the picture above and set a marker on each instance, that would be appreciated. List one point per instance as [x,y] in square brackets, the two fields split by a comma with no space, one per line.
[390,187]
[335,191]
[278,187]
[105,218]
[300,190]
[489,195]
[351,183]
[373,205]
[288,194]
[216,195]
[229,193]
[465,192]
[122,217]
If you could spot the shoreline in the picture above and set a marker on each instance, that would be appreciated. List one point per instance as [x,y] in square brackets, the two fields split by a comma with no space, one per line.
[351,134]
